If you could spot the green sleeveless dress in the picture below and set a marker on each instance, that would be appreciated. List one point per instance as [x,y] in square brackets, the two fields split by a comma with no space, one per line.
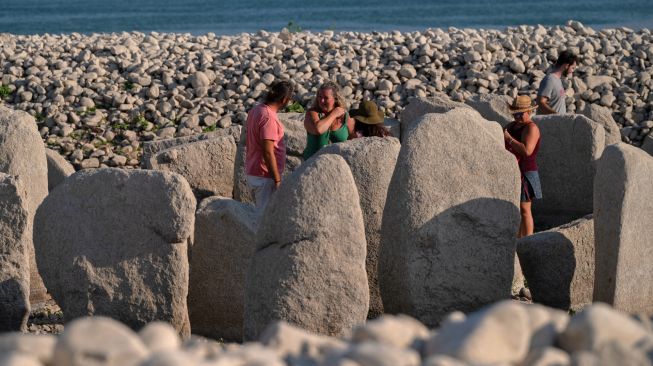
[316,142]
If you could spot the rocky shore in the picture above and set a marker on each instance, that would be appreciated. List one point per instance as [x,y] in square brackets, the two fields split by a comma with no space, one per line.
[505,333]
[97,98]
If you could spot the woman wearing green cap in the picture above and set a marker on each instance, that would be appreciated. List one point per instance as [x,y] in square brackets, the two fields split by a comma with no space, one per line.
[327,120]
[369,120]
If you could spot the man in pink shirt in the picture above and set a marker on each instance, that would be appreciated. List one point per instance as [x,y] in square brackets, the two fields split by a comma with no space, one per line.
[266,151]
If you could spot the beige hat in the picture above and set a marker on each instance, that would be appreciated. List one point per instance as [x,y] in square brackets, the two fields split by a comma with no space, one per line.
[522,103]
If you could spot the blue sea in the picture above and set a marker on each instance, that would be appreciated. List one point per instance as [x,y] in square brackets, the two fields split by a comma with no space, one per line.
[233,17]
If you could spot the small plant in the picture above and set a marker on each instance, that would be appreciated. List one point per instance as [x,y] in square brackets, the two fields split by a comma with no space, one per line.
[120,126]
[293,27]
[209,128]
[295,107]
[141,122]
[39,117]
[5,92]
[87,111]
[75,135]
[128,85]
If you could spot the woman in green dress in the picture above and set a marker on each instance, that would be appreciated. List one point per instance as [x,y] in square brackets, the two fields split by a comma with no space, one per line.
[327,121]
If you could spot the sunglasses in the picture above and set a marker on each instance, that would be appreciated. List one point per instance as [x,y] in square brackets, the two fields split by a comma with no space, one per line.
[518,114]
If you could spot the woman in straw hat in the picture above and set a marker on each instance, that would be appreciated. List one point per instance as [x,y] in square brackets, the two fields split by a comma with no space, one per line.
[522,138]
[327,120]
[369,120]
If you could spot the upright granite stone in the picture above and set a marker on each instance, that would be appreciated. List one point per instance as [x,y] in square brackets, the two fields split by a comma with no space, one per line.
[114,242]
[58,168]
[569,148]
[418,107]
[22,155]
[207,165]
[372,161]
[295,140]
[559,264]
[603,116]
[223,247]
[150,148]
[14,264]
[623,213]
[449,230]
[492,107]
[309,266]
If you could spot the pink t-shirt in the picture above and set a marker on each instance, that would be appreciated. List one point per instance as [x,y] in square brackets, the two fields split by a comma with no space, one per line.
[263,124]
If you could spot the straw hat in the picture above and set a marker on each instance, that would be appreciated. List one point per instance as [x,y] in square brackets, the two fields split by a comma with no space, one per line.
[522,103]
[368,113]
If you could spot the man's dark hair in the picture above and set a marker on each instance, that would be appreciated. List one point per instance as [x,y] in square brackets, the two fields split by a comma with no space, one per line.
[566,57]
[278,92]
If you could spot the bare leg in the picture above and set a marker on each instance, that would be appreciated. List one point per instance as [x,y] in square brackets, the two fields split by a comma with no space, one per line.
[526,227]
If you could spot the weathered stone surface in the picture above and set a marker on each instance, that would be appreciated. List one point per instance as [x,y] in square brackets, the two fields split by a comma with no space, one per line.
[399,331]
[418,107]
[377,354]
[547,357]
[14,264]
[114,242]
[18,359]
[569,148]
[448,235]
[40,347]
[98,341]
[499,333]
[598,325]
[372,161]
[294,133]
[623,214]
[492,107]
[58,168]
[223,247]
[394,126]
[603,116]
[296,343]
[150,148]
[545,324]
[242,192]
[207,165]
[559,264]
[22,155]
[309,267]
[517,278]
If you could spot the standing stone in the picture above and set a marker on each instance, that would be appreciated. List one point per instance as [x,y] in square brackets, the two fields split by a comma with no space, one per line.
[242,192]
[559,264]
[418,107]
[603,116]
[393,126]
[14,264]
[372,161]
[623,214]
[448,236]
[58,168]
[569,148]
[22,155]
[492,107]
[224,243]
[150,148]
[309,266]
[114,242]
[207,165]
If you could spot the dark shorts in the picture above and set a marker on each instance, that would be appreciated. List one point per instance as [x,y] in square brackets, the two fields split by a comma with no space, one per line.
[530,187]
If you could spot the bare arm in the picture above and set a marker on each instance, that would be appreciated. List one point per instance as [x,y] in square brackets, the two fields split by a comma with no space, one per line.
[316,126]
[543,102]
[350,126]
[271,161]
[530,141]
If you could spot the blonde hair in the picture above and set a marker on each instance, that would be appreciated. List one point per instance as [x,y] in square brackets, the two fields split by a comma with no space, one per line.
[337,95]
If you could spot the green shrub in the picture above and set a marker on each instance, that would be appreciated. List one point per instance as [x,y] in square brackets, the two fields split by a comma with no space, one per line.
[210,128]
[5,92]
[295,107]
[293,27]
